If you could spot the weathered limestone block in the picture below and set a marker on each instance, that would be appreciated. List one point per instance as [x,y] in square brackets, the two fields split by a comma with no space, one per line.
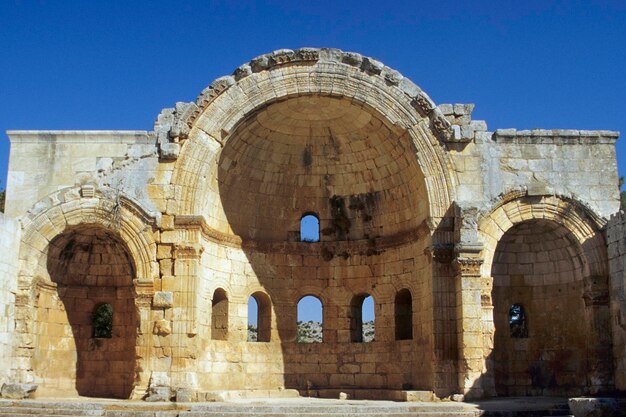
[162,327]
[184,395]
[352,58]
[17,391]
[159,394]
[170,151]
[421,396]
[104,164]
[160,379]
[372,66]
[242,72]
[163,299]
[593,407]
[458,398]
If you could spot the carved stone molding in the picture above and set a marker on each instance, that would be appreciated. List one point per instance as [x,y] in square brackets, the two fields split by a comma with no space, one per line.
[468,266]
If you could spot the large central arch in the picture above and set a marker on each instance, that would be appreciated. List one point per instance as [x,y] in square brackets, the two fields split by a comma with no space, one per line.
[361,148]
[230,100]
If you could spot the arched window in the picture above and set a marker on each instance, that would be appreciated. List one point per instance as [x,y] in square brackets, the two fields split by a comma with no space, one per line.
[219,315]
[309,228]
[404,315]
[259,317]
[517,321]
[310,320]
[362,318]
[102,321]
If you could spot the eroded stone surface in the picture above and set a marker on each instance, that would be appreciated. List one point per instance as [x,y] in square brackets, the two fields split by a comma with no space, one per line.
[159,394]
[17,391]
[593,407]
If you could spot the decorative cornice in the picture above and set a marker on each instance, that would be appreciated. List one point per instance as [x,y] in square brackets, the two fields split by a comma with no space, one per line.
[361,246]
[47,286]
[194,222]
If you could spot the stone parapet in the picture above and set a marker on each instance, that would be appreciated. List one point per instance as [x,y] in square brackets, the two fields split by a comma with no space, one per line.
[562,136]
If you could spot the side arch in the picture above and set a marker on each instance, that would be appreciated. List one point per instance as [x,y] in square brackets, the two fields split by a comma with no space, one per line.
[548,255]
[69,207]
[515,208]
[120,223]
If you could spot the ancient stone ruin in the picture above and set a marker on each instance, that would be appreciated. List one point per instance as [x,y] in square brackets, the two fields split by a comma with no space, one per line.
[495,259]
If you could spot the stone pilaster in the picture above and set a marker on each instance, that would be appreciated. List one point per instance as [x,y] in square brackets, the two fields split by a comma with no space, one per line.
[183,314]
[143,350]
[469,323]
[596,298]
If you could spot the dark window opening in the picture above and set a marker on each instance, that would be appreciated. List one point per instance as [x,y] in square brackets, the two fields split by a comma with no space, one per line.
[517,321]
[219,315]
[310,320]
[404,315]
[259,317]
[309,228]
[362,318]
[102,321]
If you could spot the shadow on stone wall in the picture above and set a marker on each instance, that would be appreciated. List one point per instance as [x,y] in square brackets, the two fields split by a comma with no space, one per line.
[90,267]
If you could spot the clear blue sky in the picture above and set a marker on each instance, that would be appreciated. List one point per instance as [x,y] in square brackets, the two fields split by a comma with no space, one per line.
[115,64]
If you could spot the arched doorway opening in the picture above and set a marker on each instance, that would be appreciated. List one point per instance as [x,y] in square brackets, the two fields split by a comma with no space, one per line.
[310,320]
[543,341]
[87,320]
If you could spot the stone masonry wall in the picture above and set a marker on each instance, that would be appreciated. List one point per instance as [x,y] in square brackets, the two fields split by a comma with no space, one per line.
[337,362]
[616,240]
[9,245]
[578,164]
[44,162]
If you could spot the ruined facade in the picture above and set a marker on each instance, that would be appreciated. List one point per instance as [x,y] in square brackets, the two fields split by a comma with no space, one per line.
[447,225]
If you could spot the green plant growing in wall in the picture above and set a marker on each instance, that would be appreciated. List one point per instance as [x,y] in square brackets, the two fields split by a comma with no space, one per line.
[622,195]
[3,194]
[102,320]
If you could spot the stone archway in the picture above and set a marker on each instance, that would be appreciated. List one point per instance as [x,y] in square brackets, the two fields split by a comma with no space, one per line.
[300,77]
[547,255]
[364,151]
[77,255]
[90,267]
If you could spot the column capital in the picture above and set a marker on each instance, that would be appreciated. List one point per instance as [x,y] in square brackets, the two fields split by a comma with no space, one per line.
[468,266]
